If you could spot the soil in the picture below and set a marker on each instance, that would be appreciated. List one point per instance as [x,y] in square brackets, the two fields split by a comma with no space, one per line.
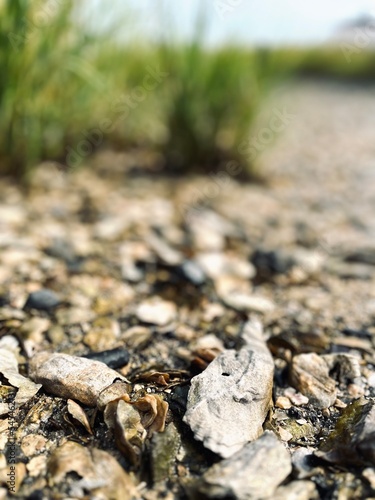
[106,242]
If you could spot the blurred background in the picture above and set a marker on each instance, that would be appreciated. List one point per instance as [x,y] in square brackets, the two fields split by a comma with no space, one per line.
[179,83]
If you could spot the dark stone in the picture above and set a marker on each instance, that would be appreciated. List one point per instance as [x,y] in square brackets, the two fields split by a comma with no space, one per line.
[364,256]
[114,358]
[271,262]
[61,249]
[4,299]
[43,300]
[352,441]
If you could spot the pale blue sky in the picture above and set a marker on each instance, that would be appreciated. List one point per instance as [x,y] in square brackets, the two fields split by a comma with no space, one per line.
[249,21]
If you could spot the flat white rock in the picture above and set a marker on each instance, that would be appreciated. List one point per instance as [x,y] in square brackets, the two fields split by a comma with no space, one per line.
[156,311]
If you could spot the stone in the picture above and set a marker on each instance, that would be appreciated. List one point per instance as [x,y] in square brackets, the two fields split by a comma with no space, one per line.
[302,461]
[163,250]
[352,441]
[273,262]
[9,370]
[114,358]
[284,434]
[217,264]
[33,444]
[156,311]
[270,262]
[246,302]
[361,255]
[369,475]
[164,450]
[96,472]
[296,398]
[297,490]
[254,472]
[43,300]
[193,272]
[78,414]
[229,401]
[283,402]
[310,375]
[73,377]
[344,368]
[61,249]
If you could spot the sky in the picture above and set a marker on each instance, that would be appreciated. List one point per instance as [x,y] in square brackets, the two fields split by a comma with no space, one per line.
[251,21]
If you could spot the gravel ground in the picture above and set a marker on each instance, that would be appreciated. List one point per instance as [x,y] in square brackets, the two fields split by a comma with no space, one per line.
[173,273]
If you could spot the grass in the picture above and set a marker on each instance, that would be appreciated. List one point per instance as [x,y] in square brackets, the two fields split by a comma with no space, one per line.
[48,84]
[210,100]
[61,82]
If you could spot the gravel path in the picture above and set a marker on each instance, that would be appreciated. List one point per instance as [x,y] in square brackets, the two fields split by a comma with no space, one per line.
[175,274]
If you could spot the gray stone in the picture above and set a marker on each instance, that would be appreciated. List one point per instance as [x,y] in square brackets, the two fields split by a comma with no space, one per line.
[345,367]
[310,375]
[193,271]
[302,463]
[247,302]
[163,250]
[252,473]
[73,377]
[43,300]
[229,401]
[297,490]
[61,249]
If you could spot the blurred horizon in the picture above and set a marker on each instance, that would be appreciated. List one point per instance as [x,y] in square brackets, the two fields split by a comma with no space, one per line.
[212,67]
[252,22]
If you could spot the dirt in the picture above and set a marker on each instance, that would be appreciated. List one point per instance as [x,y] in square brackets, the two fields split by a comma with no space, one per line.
[105,242]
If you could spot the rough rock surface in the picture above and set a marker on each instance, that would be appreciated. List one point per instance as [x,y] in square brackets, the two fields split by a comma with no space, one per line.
[72,376]
[252,473]
[229,401]
[44,300]
[310,375]
[353,439]
[87,235]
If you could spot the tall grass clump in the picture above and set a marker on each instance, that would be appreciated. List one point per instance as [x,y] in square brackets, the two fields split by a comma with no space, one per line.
[60,82]
[211,98]
[48,81]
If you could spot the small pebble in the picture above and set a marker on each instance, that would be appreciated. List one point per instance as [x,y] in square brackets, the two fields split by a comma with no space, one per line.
[296,398]
[340,404]
[369,474]
[355,391]
[284,434]
[301,421]
[43,300]
[310,375]
[193,272]
[156,311]
[284,403]
[114,358]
